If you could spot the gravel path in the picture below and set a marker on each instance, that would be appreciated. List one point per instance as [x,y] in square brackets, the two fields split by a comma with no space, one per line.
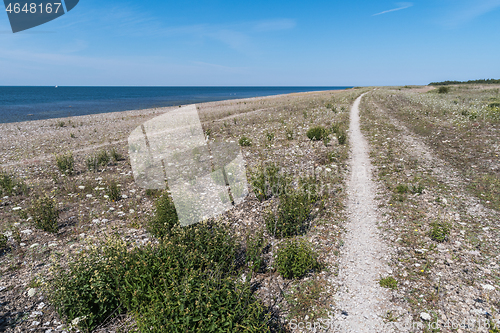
[362,301]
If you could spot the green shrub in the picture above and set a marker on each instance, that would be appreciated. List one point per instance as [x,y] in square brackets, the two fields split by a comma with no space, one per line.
[45,214]
[388,282]
[9,185]
[254,251]
[66,163]
[164,218]
[317,133]
[295,259]
[3,241]
[113,191]
[443,90]
[245,142]
[289,134]
[294,210]
[439,231]
[268,182]
[186,283]
[88,287]
[342,138]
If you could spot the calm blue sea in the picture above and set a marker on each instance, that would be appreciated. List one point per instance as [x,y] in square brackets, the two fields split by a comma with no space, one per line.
[33,103]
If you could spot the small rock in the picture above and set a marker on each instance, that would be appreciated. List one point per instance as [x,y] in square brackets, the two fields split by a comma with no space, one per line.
[124,196]
[35,323]
[488,287]
[89,195]
[81,187]
[425,316]
[27,232]
[52,244]
[36,314]
[41,306]
[17,208]
[2,288]
[32,292]
[34,245]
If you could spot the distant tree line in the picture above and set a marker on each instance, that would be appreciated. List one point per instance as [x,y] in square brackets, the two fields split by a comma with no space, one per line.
[488,81]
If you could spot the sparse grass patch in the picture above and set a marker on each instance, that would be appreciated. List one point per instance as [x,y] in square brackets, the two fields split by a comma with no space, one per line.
[244,141]
[305,300]
[388,282]
[295,258]
[113,191]
[66,163]
[92,163]
[45,214]
[115,155]
[289,134]
[439,231]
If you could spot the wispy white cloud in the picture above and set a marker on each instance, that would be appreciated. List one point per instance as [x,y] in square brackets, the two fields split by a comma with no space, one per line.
[470,10]
[402,5]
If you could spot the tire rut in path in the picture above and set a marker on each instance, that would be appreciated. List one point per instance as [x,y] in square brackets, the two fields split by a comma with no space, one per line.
[364,254]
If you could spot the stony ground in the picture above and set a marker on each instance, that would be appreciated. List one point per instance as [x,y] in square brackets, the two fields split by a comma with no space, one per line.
[428,226]
[275,125]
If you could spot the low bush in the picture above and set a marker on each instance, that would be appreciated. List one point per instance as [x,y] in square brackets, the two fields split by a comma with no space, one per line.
[342,138]
[439,231]
[3,241]
[45,214]
[87,288]
[267,182]
[443,90]
[317,133]
[402,189]
[9,185]
[245,142]
[295,258]
[293,211]
[65,163]
[164,217]
[388,282]
[186,283]
[254,251]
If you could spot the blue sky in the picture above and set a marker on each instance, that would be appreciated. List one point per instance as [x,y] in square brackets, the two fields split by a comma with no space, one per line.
[218,42]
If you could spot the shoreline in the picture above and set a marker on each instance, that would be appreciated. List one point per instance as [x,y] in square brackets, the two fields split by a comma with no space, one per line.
[121,103]
[35,141]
